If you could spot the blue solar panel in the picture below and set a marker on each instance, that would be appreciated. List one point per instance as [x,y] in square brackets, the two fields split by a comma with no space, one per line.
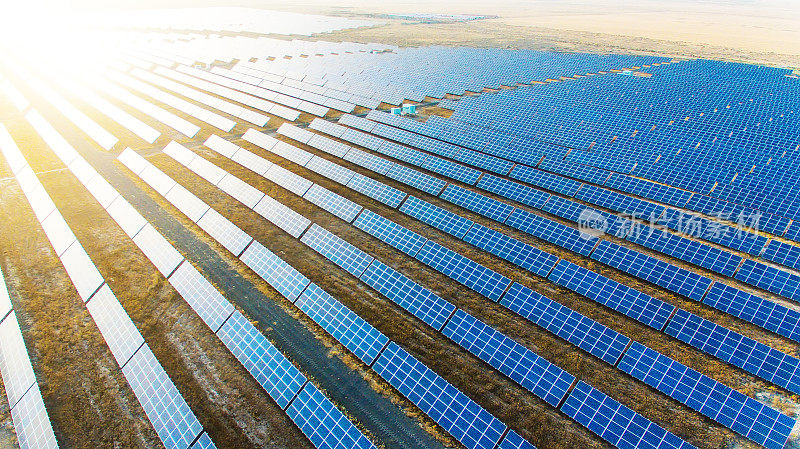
[648,189]
[437,217]
[204,442]
[545,180]
[551,231]
[488,207]
[616,423]
[273,371]
[575,170]
[775,317]
[282,216]
[343,324]
[736,349]
[770,278]
[512,440]
[472,274]
[619,202]
[484,161]
[742,414]
[585,333]
[288,180]
[783,253]
[520,254]
[330,170]
[417,300]
[333,203]
[325,425]
[621,298]
[369,161]
[713,231]
[390,232]
[534,373]
[337,250]
[416,179]
[691,251]
[279,274]
[452,170]
[402,153]
[514,190]
[465,420]
[671,277]
[377,190]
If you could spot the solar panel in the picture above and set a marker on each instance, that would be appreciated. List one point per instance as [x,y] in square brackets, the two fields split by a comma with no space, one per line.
[206,170]
[390,232]
[775,317]
[472,274]
[619,202]
[223,231]
[58,232]
[204,442]
[691,251]
[623,299]
[31,422]
[545,180]
[180,153]
[335,249]
[329,146]
[525,367]
[280,275]
[39,200]
[585,333]
[299,134]
[163,255]
[783,253]
[465,420]
[252,161]
[437,217]
[126,216]
[292,153]
[402,153]
[488,207]
[81,270]
[512,440]
[201,295]
[323,423]
[736,349]
[288,180]
[377,190]
[769,278]
[16,161]
[333,203]
[452,170]
[171,417]
[191,206]
[343,324]
[616,423]
[551,231]
[742,414]
[369,161]
[520,254]
[416,179]
[82,170]
[5,300]
[115,325]
[15,366]
[158,180]
[330,170]
[222,146]
[271,369]
[282,216]
[101,190]
[484,161]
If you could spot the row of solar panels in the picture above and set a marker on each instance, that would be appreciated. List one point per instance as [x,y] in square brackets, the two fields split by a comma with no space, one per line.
[676,279]
[471,424]
[315,414]
[621,298]
[522,365]
[28,414]
[171,417]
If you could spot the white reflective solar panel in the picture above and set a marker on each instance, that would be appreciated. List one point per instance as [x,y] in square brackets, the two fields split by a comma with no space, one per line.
[171,417]
[31,422]
[81,270]
[11,152]
[242,191]
[40,202]
[252,161]
[292,153]
[206,170]
[163,255]
[126,216]
[131,159]
[179,153]
[114,323]
[54,140]
[5,300]
[27,179]
[15,366]
[157,179]
[288,180]
[226,233]
[58,232]
[14,95]
[82,170]
[206,300]
[259,139]
[221,145]
[101,190]
[282,216]
[191,206]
